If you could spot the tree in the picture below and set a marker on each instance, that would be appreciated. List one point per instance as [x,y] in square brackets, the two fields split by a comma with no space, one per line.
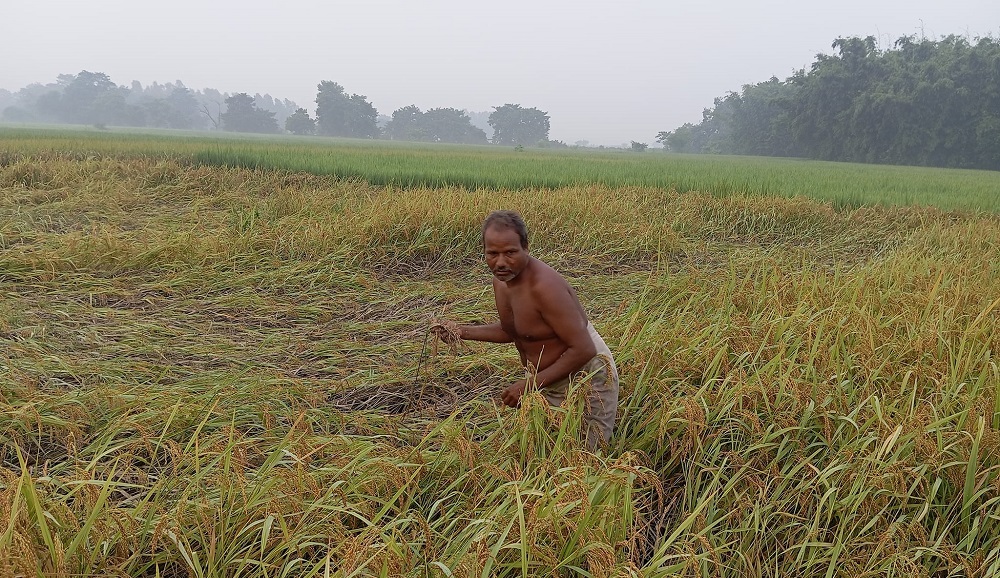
[639,147]
[210,105]
[158,112]
[110,108]
[405,124]
[282,109]
[216,119]
[88,98]
[92,98]
[449,125]
[300,123]
[338,114]
[680,140]
[16,114]
[922,102]
[81,101]
[514,125]
[183,108]
[50,106]
[452,125]
[480,119]
[27,108]
[6,99]
[242,115]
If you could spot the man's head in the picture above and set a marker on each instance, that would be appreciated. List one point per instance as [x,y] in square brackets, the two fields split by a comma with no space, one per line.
[507,220]
[505,244]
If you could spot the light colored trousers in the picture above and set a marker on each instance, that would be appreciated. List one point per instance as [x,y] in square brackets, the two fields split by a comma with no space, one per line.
[601,408]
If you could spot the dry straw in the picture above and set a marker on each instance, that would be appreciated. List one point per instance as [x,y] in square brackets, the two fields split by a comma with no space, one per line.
[210,371]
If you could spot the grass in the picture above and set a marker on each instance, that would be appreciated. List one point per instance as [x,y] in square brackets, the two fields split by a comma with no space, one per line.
[407,165]
[216,371]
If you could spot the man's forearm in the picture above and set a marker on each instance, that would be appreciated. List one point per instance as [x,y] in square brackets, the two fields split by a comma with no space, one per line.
[572,360]
[493,333]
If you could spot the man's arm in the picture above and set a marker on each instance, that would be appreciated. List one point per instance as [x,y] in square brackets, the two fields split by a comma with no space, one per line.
[493,333]
[561,310]
[450,332]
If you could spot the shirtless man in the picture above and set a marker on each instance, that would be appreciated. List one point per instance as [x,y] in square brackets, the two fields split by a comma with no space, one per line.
[541,314]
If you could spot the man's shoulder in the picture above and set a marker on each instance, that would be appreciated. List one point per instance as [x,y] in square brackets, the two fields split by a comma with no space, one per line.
[546,278]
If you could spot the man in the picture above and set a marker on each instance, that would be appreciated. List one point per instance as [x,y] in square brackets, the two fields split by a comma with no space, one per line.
[541,314]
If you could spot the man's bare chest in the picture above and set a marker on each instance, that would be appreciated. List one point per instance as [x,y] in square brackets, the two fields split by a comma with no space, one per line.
[522,319]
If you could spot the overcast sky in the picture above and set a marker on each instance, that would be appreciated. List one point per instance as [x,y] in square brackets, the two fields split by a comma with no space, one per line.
[607,72]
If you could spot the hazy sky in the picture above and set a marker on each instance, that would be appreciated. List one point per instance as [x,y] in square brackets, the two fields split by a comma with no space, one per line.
[607,72]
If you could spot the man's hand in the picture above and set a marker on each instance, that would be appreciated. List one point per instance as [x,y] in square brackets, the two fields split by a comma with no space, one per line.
[511,396]
[447,331]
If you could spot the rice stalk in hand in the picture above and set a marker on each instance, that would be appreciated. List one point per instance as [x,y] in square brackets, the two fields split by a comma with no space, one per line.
[448,332]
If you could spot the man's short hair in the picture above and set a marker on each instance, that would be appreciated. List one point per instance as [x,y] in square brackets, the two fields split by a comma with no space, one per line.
[507,220]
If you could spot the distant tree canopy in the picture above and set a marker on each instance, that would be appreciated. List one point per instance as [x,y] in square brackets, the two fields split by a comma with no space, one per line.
[178,110]
[87,98]
[922,102]
[448,125]
[92,98]
[242,115]
[404,124]
[514,125]
[300,123]
[338,114]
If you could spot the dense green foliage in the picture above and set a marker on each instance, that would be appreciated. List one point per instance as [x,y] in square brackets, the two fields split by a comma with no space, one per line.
[222,372]
[448,125]
[300,123]
[515,125]
[922,102]
[242,115]
[342,114]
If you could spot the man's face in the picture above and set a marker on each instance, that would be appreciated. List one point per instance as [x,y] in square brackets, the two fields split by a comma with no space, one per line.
[505,256]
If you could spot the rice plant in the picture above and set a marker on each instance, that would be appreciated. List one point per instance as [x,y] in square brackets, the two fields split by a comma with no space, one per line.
[412,165]
[223,371]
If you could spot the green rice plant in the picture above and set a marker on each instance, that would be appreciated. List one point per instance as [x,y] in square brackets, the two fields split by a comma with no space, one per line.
[412,165]
[222,371]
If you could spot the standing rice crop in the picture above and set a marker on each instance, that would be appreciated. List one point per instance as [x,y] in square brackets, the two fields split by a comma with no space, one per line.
[210,371]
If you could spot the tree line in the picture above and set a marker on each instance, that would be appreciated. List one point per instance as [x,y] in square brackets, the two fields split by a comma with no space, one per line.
[920,102]
[93,98]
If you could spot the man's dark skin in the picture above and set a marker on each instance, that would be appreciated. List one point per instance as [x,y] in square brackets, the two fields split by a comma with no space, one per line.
[539,312]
